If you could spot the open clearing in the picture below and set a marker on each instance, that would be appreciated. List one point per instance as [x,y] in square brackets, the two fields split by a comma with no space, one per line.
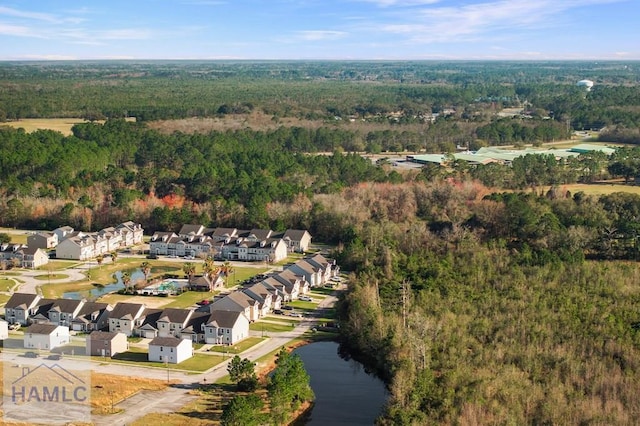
[603,188]
[62,125]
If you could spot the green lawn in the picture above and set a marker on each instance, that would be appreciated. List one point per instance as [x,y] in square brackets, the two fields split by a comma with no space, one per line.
[6,284]
[271,328]
[237,348]
[301,305]
[188,299]
[4,298]
[198,362]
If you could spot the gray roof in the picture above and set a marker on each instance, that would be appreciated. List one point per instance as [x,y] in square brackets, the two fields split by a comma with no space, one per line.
[166,341]
[175,315]
[295,234]
[224,319]
[103,335]
[20,299]
[66,305]
[42,328]
[124,310]
[90,307]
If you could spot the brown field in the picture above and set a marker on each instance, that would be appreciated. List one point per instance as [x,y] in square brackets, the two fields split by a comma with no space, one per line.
[600,188]
[62,125]
[117,388]
[258,120]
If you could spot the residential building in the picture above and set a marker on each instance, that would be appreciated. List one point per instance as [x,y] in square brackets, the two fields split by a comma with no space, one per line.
[147,325]
[92,316]
[205,283]
[297,240]
[172,321]
[226,328]
[4,330]
[46,336]
[44,240]
[20,307]
[170,350]
[125,317]
[194,329]
[237,302]
[263,296]
[106,343]
[22,256]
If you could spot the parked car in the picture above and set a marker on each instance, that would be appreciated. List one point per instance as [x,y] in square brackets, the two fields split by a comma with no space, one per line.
[288,308]
[278,311]
[295,314]
[55,357]
[152,256]
[31,354]
[203,302]
[15,326]
[305,298]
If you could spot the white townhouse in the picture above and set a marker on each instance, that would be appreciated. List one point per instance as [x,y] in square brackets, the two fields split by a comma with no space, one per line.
[170,350]
[79,247]
[297,240]
[264,298]
[226,328]
[172,321]
[131,233]
[46,336]
[125,317]
[21,307]
[237,301]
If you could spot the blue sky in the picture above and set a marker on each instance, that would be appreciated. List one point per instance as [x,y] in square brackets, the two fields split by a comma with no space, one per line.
[319,29]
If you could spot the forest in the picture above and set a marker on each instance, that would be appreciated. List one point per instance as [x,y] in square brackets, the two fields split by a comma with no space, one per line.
[481,294]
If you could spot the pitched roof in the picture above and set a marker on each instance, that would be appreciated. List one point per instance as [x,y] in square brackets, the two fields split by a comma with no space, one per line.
[175,315]
[124,310]
[167,341]
[23,300]
[151,317]
[90,307]
[42,328]
[224,319]
[195,323]
[66,305]
[295,234]
[191,229]
[103,335]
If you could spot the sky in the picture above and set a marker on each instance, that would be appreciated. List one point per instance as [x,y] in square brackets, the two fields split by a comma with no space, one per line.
[320,29]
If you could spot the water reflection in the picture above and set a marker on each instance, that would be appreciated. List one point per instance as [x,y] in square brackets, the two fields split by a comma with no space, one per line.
[99,290]
[345,393]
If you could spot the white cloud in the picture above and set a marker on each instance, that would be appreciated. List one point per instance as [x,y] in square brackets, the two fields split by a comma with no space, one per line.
[7,11]
[321,35]
[467,22]
[16,31]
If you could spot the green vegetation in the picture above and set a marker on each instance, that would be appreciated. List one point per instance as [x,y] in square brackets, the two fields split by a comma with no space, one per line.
[288,386]
[239,347]
[243,373]
[482,309]
[198,362]
[271,328]
[243,411]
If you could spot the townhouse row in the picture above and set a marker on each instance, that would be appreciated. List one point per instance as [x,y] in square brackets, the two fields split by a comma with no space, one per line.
[69,244]
[262,245]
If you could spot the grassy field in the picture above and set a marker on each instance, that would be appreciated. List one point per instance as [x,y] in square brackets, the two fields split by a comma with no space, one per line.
[239,348]
[199,362]
[62,125]
[6,284]
[188,299]
[268,327]
[600,188]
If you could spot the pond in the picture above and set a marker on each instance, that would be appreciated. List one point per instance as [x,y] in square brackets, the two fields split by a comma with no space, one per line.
[345,393]
[136,274]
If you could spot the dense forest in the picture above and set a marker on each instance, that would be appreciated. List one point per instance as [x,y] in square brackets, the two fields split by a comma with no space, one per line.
[482,309]
[481,294]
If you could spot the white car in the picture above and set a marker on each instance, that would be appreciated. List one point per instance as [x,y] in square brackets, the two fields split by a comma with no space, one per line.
[305,298]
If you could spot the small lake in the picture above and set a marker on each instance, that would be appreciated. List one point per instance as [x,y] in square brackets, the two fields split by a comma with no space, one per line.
[98,291]
[345,393]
